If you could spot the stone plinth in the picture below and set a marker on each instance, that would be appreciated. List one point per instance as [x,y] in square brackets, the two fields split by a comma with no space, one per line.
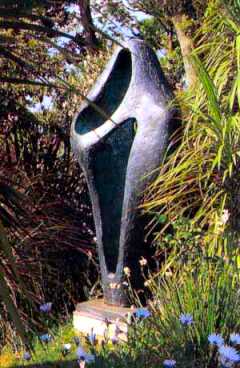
[96,316]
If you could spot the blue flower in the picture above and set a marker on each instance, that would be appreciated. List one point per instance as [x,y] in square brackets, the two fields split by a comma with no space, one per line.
[169,363]
[235,338]
[46,338]
[46,308]
[142,313]
[92,337]
[216,339]
[228,355]
[82,355]
[27,356]
[186,319]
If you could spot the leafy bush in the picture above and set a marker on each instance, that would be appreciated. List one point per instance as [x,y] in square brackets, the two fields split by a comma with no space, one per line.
[199,179]
[187,307]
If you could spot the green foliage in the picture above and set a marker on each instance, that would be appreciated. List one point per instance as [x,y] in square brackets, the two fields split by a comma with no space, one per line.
[208,293]
[207,290]
[181,238]
[48,355]
[199,179]
[151,32]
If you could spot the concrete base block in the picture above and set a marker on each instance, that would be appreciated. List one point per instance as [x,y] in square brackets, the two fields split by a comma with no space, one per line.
[100,318]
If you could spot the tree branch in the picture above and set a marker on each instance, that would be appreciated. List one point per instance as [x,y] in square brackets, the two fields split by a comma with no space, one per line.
[87,23]
[27,81]
[15,13]
[35,28]
[9,55]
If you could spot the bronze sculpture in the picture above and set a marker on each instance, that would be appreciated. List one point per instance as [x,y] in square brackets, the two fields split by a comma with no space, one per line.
[119,137]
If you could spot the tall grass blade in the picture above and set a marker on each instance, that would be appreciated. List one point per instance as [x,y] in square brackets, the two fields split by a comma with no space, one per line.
[210,91]
[5,294]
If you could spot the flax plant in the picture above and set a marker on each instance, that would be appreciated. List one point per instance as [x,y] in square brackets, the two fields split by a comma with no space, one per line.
[199,180]
[206,292]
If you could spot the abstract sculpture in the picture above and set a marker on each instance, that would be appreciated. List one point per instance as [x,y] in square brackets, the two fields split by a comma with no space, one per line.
[119,137]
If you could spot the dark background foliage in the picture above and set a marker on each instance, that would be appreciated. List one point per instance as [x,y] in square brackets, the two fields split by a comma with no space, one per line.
[44,204]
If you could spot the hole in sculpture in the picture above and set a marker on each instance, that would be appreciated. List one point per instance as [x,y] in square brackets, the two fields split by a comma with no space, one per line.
[110,96]
[109,168]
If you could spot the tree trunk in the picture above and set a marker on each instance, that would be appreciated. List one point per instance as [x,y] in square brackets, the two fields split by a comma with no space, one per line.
[87,23]
[186,45]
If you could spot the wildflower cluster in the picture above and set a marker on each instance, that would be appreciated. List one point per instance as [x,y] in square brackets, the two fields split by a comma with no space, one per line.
[81,355]
[228,355]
